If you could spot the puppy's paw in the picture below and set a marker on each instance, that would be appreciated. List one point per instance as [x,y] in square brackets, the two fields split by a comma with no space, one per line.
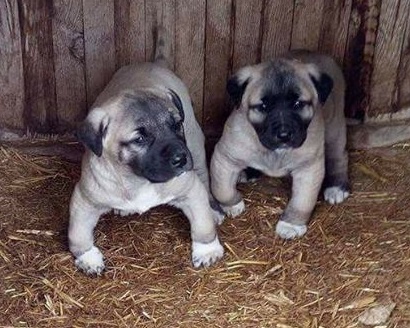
[234,210]
[91,262]
[218,217]
[206,254]
[335,194]
[288,230]
[218,214]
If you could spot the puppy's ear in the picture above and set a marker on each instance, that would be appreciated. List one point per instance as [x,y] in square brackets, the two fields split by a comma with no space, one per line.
[92,130]
[323,84]
[178,104]
[237,84]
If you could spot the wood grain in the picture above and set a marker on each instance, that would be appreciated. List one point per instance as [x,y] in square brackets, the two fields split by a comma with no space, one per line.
[217,64]
[307,20]
[334,28]
[384,93]
[404,69]
[40,112]
[99,45]
[11,67]
[277,28]
[69,62]
[129,31]
[160,12]
[248,33]
[190,49]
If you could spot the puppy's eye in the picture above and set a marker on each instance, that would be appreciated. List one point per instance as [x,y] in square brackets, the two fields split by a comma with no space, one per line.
[139,140]
[262,107]
[300,104]
[177,126]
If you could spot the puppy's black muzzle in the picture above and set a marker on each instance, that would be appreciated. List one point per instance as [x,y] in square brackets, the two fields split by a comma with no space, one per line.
[166,160]
[178,157]
[282,130]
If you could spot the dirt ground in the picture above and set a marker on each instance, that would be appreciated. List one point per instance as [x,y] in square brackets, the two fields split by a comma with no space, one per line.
[354,257]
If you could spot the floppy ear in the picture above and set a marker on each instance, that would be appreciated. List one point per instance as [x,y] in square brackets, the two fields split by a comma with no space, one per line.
[91,132]
[237,84]
[324,85]
[178,104]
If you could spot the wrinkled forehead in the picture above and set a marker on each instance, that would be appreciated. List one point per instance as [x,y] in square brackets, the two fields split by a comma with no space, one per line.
[283,79]
[146,110]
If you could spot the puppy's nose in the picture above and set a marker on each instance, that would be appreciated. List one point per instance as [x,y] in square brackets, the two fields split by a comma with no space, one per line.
[178,160]
[284,135]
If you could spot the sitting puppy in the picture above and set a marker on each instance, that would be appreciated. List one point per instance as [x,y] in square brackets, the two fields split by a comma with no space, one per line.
[289,119]
[144,148]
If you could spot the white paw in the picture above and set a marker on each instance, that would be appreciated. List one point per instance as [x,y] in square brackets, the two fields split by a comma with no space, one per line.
[122,212]
[234,210]
[288,230]
[335,195]
[91,262]
[206,254]
[218,217]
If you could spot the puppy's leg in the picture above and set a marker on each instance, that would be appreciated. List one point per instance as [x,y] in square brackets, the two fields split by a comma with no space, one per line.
[305,189]
[83,219]
[224,177]
[336,184]
[196,144]
[206,248]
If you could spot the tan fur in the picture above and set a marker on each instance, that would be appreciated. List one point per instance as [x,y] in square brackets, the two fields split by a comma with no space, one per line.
[239,146]
[106,184]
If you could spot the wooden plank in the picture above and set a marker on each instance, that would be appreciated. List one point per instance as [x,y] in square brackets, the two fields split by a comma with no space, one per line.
[99,45]
[40,114]
[277,28]
[307,21]
[129,31]
[217,64]
[335,27]
[404,70]
[359,53]
[189,49]
[160,12]
[11,67]
[384,94]
[68,42]
[248,33]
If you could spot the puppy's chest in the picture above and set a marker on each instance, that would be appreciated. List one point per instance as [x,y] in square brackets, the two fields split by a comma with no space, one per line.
[139,200]
[275,164]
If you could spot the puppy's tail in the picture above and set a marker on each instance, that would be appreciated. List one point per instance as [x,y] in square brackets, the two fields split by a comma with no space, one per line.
[162,48]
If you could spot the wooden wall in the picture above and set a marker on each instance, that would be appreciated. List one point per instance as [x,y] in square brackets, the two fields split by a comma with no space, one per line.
[57,55]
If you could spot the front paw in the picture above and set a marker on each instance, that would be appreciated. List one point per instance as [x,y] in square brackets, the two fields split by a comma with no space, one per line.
[91,262]
[288,230]
[206,254]
[234,210]
[218,217]
[218,214]
[335,194]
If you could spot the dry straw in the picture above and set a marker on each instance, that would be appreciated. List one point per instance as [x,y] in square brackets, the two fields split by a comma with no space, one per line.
[353,258]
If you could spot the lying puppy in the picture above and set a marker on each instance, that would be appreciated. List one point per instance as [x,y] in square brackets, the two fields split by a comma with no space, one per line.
[144,148]
[289,119]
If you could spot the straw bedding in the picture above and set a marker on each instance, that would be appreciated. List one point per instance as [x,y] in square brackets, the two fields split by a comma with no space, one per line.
[354,257]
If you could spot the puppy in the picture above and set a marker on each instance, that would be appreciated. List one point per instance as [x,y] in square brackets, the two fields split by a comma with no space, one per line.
[144,148]
[289,120]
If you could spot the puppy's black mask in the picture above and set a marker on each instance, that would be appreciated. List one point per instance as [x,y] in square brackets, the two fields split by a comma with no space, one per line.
[155,149]
[159,152]
[282,125]
[280,119]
